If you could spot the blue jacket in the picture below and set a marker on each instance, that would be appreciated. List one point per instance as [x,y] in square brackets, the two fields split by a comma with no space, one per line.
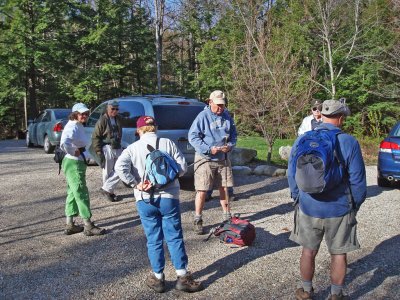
[335,202]
[210,129]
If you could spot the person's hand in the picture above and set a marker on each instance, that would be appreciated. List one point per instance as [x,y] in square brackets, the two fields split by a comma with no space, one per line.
[225,148]
[102,160]
[215,150]
[144,185]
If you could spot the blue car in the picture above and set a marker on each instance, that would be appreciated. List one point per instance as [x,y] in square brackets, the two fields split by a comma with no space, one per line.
[46,129]
[389,158]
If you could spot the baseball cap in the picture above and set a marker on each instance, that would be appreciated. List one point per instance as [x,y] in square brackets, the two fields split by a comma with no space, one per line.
[218,97]
[145,121]
[316,104]
[113,103]
[335,107]
[80,108]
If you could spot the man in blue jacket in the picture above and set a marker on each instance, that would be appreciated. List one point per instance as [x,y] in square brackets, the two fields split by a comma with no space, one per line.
[213,135]
[331,213]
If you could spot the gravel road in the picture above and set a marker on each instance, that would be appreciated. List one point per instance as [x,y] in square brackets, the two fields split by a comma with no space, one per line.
[38,262]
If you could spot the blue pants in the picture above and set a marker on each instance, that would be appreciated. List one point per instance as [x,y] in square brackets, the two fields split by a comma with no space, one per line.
[161,219]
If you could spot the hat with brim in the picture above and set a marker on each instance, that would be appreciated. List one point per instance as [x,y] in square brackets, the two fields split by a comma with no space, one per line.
[80,108]
[113,103]
[335,107]
[218,97]
[145,121]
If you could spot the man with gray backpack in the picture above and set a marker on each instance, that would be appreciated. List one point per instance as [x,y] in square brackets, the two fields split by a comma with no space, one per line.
[327,181]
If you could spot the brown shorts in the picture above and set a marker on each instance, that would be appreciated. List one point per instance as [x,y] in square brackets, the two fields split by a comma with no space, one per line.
[212,174]
[340,232]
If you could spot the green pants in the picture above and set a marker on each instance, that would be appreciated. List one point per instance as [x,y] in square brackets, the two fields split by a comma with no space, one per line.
[77,201]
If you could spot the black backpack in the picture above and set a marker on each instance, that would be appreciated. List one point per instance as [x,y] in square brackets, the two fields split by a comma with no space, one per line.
[59,155]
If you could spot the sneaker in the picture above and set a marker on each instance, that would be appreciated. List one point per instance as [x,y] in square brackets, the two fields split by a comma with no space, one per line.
[198,226]
[72,229]
[188,284]
[110,196]
[338,297]
[156,284]
[92,229]
[303,295]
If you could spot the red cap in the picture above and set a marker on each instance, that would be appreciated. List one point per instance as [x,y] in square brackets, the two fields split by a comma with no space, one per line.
[145,121]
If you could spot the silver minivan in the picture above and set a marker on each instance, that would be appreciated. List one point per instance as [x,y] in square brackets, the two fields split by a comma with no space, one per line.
[174,116]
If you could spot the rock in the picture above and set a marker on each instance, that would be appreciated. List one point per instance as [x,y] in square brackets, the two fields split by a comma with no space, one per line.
[259,170]
[269,171]
[284,152]
[241,170]
[279,172]
[242,156]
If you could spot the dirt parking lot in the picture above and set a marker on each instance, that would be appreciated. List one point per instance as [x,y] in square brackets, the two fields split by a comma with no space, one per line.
[38,262]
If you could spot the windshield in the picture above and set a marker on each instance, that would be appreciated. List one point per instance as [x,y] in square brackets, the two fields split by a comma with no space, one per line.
[176,116]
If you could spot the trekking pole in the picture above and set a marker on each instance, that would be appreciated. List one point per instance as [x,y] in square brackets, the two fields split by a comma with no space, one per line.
[226,178]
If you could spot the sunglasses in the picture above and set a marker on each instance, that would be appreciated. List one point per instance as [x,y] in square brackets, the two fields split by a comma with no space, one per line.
[86,114]
[113,108]
[316,108]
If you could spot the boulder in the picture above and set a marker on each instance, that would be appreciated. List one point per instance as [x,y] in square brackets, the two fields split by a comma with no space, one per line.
[241,170]
[242,156]
[284,152]
[259,170]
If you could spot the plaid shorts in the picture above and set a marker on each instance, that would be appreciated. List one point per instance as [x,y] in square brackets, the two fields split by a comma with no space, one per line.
[212,174]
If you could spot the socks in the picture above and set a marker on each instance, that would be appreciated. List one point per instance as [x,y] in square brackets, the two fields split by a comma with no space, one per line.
[70,220]
[87,222]
[159,276]
[307,286]
[336,289]
[181,272]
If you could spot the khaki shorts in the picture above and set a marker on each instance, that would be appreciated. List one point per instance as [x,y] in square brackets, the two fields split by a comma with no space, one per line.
[212,174]
[340,232]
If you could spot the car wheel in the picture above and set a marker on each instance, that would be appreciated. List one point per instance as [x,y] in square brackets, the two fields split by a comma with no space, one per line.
[28,141]
[383,182]
[48,147]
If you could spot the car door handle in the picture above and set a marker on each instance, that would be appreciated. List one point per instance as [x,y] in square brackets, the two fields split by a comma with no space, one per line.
[182,139]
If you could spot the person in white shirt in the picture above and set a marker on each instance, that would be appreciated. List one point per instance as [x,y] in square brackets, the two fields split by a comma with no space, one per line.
[311,121]
[73,143]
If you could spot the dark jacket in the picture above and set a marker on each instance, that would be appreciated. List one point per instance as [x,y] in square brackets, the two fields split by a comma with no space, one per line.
[102,132]
[335,202]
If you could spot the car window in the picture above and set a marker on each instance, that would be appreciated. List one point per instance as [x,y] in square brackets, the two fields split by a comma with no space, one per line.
[62,114]
[47,116]
[95,115]
[396,131]
[39,118]
[175,116]
[130,111]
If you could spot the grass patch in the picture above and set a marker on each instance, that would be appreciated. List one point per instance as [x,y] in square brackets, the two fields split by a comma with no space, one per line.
[369,148]
[259,144]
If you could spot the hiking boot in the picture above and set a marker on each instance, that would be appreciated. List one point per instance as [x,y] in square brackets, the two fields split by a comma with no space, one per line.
[338,297]
[72,229]
[188,284]
[92,229]
[198,226]
[303,295]
[109,196]
[156,284]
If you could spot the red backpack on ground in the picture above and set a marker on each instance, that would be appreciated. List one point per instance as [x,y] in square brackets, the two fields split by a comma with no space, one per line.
[235,231]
